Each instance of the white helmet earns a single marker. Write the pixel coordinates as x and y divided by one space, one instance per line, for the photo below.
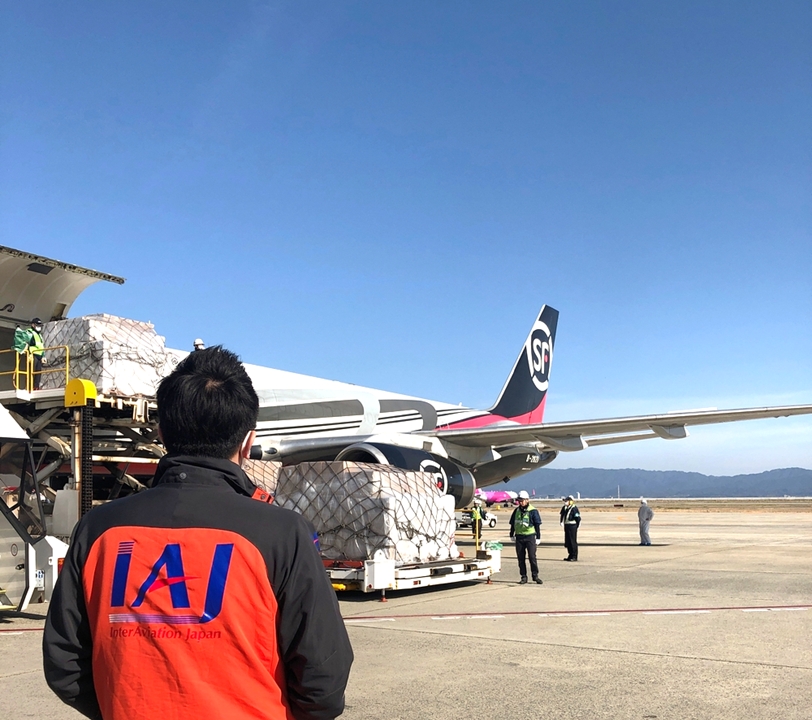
523 495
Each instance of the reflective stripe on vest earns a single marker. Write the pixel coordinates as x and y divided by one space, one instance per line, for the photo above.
522 524
36 344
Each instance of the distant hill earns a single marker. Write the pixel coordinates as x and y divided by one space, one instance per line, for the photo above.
597 483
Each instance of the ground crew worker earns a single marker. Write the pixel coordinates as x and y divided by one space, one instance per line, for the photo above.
644 515
199 345
476 519
29 342
197 598
525 525
570 520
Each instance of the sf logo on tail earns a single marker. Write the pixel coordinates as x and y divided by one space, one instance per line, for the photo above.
539 351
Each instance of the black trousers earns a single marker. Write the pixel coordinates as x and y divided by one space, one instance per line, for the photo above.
526 546
571 541
37 371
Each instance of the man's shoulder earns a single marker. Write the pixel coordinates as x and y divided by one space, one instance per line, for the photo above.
224 508
274 512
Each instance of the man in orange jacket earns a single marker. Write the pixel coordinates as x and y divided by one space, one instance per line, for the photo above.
193 599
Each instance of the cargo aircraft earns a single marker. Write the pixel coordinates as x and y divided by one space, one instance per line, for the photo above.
303 418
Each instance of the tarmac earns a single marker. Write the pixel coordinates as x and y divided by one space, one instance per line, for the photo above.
713 621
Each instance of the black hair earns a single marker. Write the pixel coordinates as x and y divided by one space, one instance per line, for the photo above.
207 405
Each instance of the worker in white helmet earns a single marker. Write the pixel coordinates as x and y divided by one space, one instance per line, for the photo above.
570 521
525 526
199 344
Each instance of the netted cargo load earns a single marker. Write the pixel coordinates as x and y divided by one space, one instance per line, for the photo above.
119 356
360 510
264 473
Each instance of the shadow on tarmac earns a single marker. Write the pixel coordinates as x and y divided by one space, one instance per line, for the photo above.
7 616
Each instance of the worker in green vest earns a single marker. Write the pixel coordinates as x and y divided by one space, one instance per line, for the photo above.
525 526
476 520
29 342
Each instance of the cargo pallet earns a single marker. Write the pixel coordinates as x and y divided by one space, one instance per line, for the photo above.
382 574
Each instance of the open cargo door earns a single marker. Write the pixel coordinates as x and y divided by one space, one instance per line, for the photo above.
35 286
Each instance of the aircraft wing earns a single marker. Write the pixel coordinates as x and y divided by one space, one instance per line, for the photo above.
573 436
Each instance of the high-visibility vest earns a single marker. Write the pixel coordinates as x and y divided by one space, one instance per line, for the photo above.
35 344
521 521
476 514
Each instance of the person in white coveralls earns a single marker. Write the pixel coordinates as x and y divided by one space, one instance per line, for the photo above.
644 515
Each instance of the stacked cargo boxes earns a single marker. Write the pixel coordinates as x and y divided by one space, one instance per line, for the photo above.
119 356
363 511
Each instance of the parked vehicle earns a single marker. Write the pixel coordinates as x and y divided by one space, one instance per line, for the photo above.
463 519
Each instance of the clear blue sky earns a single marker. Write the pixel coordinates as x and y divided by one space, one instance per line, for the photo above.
386 193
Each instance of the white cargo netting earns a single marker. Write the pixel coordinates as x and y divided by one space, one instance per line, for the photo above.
359 510
119 356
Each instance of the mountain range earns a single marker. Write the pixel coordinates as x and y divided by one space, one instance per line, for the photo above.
632 483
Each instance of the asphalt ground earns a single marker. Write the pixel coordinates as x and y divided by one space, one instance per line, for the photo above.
712 621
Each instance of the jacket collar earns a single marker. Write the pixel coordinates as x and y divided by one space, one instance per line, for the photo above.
202 471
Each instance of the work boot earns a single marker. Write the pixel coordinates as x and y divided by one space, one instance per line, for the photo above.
523 581
538 581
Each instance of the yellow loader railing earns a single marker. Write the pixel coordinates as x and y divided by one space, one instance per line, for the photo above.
26 377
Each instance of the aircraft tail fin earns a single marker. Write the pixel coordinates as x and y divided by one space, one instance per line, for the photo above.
523 397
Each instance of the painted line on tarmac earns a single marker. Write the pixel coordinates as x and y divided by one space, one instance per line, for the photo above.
484 617
578 613
555 613
573 614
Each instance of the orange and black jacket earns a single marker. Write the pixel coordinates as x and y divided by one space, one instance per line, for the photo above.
193 600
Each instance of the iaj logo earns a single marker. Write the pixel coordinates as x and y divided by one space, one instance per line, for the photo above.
167 572
539 354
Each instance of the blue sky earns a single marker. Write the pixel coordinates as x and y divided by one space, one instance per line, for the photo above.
386 193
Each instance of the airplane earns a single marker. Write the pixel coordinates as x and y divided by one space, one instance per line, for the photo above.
305 419
494 497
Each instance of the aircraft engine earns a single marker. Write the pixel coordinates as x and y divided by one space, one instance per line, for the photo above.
451 478
512 463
